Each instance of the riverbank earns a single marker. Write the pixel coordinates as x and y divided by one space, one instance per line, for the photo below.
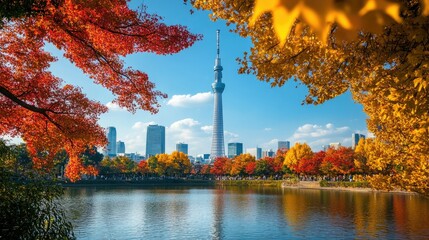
292 183
148 183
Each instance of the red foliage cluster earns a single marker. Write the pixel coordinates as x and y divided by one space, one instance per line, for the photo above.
94 35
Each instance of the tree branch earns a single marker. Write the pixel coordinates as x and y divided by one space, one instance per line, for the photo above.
30 107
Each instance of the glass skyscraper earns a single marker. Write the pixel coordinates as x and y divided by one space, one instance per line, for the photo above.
120 147
234 149
155 140
182 147
111 145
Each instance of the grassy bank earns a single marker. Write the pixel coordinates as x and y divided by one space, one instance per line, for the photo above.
289 183
325 183
270 183
200 182
148 182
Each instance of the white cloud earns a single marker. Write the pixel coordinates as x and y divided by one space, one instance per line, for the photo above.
230 134
207 129
272 144
188 131
187 100
141 125
114 107
317 131
267 129
318 135
184 123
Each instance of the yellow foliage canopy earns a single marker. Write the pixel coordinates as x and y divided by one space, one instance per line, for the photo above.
296 153
384 64
351 16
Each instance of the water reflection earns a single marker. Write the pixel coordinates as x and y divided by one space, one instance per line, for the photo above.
245 213
218 207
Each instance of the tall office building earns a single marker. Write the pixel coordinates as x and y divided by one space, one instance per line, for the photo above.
356 137
235 149
256 152
284 145
155 140
182 147
218 147
111 145
120 147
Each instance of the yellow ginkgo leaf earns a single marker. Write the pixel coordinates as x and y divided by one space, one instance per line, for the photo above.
389 8
343 20
426 7
283 21
262 6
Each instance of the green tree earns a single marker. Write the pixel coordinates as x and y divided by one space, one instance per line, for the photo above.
263 167
29 206
153 163
107 167
91 156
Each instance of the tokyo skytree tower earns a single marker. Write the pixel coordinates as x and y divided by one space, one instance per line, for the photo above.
218 148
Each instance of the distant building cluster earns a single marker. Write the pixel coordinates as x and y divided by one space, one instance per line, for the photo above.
155 144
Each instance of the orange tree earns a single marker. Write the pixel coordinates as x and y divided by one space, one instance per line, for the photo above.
311 166
205 170
250 168
276 163
221 166
295 154
338 161
143 167
239 164
94 35
377 50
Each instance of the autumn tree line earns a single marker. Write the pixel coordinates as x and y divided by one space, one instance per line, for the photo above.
343 163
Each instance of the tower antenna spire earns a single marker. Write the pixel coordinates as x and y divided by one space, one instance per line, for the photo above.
217 42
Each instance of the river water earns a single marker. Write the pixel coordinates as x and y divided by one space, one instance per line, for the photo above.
244 213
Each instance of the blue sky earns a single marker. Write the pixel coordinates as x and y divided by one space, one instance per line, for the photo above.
254 113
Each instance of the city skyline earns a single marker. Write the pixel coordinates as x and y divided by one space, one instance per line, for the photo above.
256 114
158 140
